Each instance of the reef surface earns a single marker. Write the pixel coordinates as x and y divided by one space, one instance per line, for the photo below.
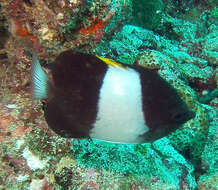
177 39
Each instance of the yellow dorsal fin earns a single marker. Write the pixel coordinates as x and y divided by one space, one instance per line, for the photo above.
111 62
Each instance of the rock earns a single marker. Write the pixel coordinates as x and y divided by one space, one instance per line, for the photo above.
141 161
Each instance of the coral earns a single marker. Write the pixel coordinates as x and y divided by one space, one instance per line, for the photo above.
191 139
179 29
33 161
210 153
208 182
158 159
211 56
150 59
182 48
127 44
40 184
179 68
50 144
60 25
201 77
210 45
188 9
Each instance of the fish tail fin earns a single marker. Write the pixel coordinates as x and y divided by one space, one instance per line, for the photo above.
41 85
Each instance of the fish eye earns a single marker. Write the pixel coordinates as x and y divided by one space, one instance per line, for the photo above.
178 116
183 116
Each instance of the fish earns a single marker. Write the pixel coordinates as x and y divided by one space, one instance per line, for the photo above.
88 96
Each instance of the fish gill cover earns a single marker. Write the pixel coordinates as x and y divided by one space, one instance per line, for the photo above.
179 41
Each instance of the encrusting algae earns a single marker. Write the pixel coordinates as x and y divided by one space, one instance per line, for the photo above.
177 43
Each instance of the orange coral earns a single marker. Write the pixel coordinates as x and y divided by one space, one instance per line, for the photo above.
17 30
94 28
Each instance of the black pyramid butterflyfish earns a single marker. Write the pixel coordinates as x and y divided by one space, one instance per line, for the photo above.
88 96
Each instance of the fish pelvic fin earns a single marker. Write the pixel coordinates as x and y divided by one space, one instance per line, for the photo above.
41 85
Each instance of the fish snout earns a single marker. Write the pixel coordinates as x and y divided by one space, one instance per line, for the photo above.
182 117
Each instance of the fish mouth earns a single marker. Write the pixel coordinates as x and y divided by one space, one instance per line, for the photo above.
188 115
191 115
181 118
164 130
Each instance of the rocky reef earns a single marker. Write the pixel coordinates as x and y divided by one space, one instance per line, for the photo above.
177 39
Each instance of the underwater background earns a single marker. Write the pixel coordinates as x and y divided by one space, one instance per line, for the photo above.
176 38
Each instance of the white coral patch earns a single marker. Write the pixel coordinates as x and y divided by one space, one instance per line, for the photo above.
33 161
